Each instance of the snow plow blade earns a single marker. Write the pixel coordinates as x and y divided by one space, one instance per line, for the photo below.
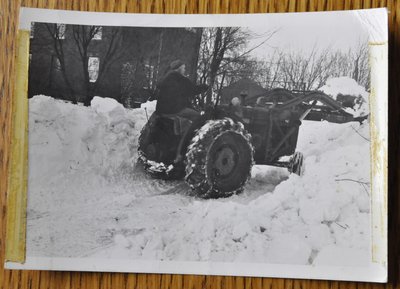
331 110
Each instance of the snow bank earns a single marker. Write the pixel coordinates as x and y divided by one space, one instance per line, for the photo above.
344 85
87 198
279 218
78 156
348 86
98 139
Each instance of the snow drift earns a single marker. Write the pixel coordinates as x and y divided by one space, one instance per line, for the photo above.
87 197
347 86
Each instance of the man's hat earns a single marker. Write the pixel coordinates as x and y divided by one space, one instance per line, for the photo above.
176 64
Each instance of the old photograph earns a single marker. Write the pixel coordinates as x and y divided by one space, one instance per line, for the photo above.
218 144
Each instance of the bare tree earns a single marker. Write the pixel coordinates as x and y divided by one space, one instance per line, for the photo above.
299 71
269 72
306 72
353 64
359 57
83 36
224 56
215 44
57 34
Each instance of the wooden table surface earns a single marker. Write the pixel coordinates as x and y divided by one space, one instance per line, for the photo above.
44 279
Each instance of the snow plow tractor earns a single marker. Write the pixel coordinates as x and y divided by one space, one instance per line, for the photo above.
215 151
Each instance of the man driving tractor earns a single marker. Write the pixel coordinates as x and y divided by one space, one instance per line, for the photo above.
175 92
174 95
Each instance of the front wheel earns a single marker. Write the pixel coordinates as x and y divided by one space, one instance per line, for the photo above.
219 159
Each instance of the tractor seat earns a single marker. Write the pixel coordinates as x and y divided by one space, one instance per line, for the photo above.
180 124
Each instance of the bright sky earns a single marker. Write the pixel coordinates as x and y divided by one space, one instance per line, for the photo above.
300 32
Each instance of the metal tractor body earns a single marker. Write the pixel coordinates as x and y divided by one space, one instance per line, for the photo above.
215 151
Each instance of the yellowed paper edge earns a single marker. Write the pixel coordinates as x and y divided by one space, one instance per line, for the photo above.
18 167
379 150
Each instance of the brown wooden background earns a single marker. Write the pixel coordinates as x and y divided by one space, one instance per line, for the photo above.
43 279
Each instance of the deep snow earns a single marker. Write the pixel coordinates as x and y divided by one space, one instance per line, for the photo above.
348 86
88 199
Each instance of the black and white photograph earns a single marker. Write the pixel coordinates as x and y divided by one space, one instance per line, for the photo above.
222 146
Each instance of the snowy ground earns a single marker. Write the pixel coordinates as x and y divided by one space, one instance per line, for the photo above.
87 199
347 86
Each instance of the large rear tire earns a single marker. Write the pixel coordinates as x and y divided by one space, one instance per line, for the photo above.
149 153
219 159
145 150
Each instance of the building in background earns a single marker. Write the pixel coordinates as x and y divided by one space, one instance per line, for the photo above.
77 62
243 88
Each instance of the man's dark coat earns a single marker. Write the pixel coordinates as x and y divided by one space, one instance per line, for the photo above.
175 92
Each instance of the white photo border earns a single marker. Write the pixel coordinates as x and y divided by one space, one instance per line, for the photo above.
376 22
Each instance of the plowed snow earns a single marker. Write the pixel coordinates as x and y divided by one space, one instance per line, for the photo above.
88 198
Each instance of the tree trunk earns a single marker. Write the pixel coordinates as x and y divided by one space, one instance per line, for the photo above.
215 62
72 95
195 57
86 81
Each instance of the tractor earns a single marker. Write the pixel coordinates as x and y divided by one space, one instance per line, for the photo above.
215 152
